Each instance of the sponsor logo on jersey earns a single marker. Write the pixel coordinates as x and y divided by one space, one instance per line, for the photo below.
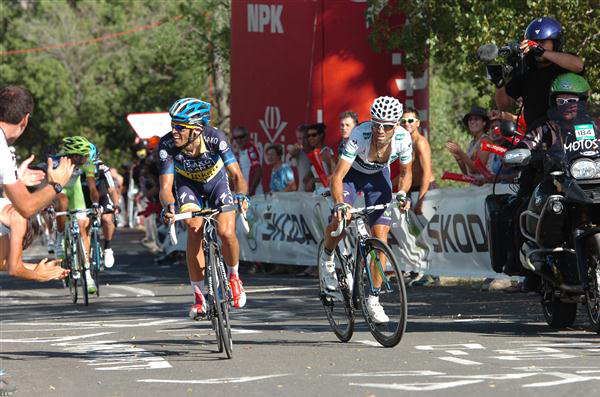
163 154
223 146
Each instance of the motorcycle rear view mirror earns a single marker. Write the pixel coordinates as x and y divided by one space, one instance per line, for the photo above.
508 129
517 157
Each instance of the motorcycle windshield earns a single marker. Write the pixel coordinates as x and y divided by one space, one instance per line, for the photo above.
577 127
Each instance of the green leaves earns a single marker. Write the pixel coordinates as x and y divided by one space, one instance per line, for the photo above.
446 35
128 56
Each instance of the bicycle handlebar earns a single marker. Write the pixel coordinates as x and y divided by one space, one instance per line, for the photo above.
359 211
206 213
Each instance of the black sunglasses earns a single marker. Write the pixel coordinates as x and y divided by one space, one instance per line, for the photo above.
313 134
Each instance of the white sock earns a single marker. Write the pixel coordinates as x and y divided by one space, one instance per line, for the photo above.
197 287
235 270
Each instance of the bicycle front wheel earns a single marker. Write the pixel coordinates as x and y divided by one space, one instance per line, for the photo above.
96 261
221 296
82 271
337 304
382 293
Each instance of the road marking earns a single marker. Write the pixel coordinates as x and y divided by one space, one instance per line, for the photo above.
135 290
418 386
53 340
457 352
458 346
369 343
213 381
104 323
27 293
154 301
461 361
392 373
277 289
108 355
115 295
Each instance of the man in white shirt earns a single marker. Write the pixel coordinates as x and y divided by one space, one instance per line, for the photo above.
16 105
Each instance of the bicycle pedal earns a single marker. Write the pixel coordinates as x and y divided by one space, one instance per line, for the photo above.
76 275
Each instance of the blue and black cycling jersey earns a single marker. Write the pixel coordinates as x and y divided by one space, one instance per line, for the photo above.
215 155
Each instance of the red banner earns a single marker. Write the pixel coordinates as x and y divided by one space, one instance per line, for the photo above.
306 61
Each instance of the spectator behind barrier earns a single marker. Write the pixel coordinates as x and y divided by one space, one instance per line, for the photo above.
348 120
477 123
323 159
282 175
248 159
298 157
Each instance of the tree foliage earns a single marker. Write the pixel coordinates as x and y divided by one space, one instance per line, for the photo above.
146 55
449 32
445 35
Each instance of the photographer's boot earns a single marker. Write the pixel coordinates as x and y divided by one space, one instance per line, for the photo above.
512 266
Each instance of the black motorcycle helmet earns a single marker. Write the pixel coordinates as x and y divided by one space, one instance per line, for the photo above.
546 28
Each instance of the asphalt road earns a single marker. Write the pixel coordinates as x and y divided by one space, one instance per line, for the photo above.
135 340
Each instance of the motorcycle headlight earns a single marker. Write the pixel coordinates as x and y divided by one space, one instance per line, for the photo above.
584 169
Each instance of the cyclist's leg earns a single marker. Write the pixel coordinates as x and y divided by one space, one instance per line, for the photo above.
379 191
108 226
351 187
62 204
77 202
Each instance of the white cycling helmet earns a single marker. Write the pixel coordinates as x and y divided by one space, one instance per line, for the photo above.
386 109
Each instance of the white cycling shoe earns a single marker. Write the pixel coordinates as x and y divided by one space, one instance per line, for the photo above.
328 275
376 310
91 285
109 258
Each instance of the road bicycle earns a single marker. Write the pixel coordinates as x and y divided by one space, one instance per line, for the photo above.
96 251
358 274
75 255
220 296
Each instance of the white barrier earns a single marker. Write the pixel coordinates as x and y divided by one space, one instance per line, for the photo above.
448 240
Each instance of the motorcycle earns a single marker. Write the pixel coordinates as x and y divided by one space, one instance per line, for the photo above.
561 224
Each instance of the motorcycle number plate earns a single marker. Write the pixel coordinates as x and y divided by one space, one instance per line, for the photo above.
584 131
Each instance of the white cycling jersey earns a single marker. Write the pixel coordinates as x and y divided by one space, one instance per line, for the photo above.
356 150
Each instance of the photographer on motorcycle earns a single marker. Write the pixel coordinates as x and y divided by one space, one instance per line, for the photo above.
567 90
542 47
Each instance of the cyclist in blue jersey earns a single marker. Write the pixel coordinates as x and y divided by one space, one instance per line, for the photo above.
196 163
364 166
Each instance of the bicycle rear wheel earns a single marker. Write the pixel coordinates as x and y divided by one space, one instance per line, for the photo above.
221 293
379 264
72 287
337 304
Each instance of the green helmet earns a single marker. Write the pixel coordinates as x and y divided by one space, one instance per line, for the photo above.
75 145
569 83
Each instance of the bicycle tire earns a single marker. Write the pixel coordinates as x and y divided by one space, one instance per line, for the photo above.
70 264
81 264
220 303
73 288
339 313
96 260
392 295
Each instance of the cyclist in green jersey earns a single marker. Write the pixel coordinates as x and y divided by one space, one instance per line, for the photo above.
100 193
77 148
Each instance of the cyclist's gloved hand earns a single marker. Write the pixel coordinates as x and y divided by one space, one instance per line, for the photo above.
117 209
340 211
97 208
242 201
167 214
403 201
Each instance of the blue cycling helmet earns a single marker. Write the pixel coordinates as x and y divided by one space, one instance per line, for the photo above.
93 152
190 111
545 28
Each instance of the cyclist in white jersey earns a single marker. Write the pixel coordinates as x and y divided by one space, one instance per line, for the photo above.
364 166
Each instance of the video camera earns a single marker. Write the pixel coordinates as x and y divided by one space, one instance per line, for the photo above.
514 62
